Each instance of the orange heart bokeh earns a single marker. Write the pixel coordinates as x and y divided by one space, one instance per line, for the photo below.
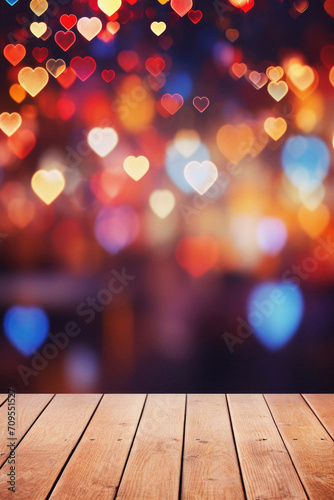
197 255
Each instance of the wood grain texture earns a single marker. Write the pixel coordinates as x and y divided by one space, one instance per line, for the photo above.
46 447
323 407
262 447
27 408
96 466
210 465
309 445
267 470
153 469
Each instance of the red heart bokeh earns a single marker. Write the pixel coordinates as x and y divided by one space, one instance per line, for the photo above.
195 16
108 75
155 65
65 40
68 21
83 67
40 53
172 103
201 103
14 53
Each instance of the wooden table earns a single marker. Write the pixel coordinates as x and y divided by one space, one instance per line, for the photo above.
170 446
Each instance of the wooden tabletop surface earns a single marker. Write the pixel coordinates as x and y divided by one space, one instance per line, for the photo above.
168 446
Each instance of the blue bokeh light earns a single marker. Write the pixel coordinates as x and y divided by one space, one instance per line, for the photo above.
179 83
26 328
100 49
305 161
176 162
275 311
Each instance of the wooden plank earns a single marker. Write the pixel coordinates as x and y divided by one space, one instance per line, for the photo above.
46 447
95 469
309 445
27 409
323 407
153 468
210 464
3 398
266 467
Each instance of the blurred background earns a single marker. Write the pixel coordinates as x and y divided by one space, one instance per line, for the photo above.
167 205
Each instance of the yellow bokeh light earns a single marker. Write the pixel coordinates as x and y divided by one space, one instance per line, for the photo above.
135 106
